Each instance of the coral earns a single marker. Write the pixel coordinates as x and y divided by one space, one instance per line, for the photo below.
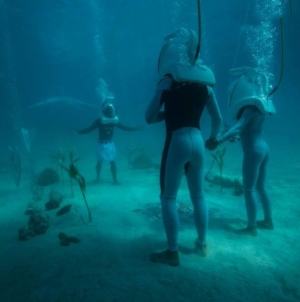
52 204
65 240
138 158
37 193
47 177
25 234
38 223
64 210
226 182
55 199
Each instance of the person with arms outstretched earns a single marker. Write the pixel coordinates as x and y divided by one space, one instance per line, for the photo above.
106 150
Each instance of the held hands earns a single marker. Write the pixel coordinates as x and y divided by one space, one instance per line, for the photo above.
211 144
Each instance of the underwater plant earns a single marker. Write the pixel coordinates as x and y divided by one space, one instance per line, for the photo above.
71 158
74 174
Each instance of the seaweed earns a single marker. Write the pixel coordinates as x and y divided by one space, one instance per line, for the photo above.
74 174
71 158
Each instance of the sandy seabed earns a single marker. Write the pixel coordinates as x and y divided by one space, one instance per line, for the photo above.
111 262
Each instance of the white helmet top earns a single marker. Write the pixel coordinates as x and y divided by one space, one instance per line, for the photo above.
177 58
250 89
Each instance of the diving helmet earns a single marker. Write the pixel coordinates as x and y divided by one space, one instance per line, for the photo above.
250 89
108 110
177 58
108 113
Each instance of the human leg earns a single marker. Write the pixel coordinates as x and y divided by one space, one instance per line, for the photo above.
98 170
195 181
99 159
170 217
172 178
267 223
113 170
175 155
251 165
108 153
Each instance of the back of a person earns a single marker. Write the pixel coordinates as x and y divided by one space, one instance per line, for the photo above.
253 131
184 104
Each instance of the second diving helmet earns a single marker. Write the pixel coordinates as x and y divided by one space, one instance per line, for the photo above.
250 89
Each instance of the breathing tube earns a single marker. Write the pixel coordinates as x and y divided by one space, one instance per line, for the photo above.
199 31
282 58
282 50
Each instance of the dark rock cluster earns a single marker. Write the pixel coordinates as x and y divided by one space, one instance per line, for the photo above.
37 225
65 240
55 199
226 182
47 177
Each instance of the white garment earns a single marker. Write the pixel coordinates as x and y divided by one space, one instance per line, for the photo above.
106 151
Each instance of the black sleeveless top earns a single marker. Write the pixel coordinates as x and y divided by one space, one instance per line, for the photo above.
183 105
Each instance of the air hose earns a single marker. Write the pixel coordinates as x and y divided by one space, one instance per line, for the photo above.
199 31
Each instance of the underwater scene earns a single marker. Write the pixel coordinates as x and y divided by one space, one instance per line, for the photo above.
149 150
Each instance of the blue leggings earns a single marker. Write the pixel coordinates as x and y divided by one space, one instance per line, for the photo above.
254 178
183 150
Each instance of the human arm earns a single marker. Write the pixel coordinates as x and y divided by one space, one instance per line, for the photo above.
87 129
246 116
215 114
153 113
128 128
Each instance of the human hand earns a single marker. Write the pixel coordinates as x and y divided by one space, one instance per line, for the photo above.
211 144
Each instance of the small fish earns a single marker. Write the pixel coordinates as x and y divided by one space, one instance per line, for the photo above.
64 210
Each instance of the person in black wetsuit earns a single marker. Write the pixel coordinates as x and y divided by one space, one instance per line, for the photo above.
184 91
106 150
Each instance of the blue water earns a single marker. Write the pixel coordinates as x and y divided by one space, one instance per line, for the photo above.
60 48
